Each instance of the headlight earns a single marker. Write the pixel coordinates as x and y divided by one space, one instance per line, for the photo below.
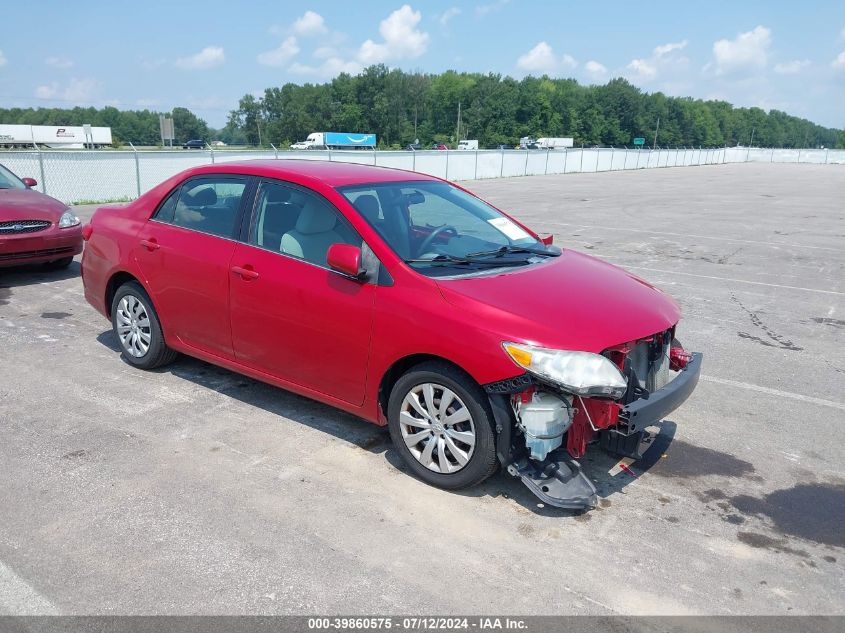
68 220
581 373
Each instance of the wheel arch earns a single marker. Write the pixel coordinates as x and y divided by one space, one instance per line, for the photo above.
402 366
116 281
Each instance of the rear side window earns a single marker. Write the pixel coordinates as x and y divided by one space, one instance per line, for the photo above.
208 205
166 208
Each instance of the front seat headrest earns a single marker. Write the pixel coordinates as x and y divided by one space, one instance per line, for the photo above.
203 198
315 218
278 194
367 205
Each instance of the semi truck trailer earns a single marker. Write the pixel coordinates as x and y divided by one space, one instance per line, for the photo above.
337 140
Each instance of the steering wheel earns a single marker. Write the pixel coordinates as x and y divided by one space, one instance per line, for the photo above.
428 240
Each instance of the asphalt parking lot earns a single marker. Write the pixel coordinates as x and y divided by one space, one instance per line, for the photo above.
196 490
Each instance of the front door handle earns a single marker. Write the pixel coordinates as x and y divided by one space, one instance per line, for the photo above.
246 272
150 244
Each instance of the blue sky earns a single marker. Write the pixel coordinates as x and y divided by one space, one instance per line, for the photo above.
205 55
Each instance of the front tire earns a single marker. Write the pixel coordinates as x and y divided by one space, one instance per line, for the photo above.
137 328
441 424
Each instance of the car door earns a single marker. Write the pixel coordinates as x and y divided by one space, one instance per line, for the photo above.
184 253
293 317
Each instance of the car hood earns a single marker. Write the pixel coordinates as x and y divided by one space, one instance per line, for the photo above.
574 302
28 204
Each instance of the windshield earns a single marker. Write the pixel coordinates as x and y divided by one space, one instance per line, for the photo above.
438 228
9 181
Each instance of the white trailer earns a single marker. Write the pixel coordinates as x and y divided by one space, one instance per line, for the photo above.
555 143
468 145
68 136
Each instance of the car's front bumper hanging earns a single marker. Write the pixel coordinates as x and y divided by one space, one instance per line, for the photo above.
639 414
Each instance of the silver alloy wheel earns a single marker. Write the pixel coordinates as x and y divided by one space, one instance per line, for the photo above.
133 326
437 428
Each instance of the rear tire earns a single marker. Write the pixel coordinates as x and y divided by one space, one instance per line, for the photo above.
137 328
441 424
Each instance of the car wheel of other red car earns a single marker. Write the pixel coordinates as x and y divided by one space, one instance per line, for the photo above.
441 425
137 328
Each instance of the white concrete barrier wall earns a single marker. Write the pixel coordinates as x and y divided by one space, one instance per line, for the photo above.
74 176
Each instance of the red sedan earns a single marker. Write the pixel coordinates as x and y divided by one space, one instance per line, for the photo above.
35 228
403 299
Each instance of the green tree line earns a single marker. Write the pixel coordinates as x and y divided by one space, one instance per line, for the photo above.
401 107
140 127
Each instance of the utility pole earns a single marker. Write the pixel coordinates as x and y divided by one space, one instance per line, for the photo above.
752 137
656 129
258 125
458 129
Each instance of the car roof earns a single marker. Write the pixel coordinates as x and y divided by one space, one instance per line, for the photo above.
333 174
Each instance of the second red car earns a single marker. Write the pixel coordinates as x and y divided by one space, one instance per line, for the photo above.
35 228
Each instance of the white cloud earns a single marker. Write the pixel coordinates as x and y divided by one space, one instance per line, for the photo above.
209 57
331 67
642 68
402 38
748 51
539 58
542 59
324 52
80 89
76 90
47 91
839 62
568 62
310 23
280 56
59 62
791 68
484 9
665 49
447 15
3 60
663 58
595 70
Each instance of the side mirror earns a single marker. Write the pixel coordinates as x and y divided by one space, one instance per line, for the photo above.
346 259
548 239
29 182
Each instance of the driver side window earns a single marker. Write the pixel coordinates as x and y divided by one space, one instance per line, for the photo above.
298 223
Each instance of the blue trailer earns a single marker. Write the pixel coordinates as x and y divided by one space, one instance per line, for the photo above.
338 140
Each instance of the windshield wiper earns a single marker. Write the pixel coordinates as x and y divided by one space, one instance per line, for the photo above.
504 250
444 259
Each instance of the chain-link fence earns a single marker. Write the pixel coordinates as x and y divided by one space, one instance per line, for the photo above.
75 176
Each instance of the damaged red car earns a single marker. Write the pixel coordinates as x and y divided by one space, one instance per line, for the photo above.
400 298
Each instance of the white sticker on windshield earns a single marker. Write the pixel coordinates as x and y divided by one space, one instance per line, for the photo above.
511 229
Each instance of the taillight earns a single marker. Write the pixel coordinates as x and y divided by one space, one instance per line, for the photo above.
678 358
86 232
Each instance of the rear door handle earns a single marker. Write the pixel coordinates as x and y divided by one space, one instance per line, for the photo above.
246 272
150 244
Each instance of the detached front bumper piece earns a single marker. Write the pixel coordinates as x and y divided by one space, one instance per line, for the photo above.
636 416
558 482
